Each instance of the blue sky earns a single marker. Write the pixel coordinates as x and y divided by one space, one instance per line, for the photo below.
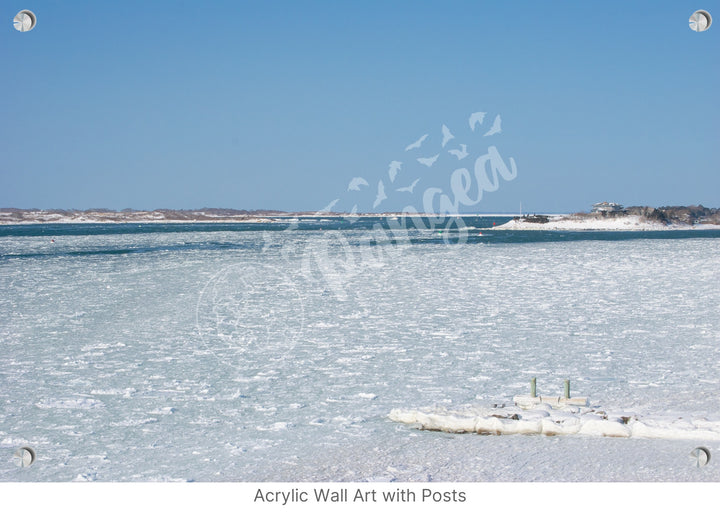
278 105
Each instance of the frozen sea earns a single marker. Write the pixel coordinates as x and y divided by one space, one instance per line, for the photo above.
276 352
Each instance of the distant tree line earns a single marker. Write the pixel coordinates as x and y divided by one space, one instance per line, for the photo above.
693 214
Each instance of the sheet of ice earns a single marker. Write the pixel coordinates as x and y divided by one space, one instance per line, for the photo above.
117 365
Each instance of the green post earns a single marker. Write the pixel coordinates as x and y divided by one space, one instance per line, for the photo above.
567 388
533 387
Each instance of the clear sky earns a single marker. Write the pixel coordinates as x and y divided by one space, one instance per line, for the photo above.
279 105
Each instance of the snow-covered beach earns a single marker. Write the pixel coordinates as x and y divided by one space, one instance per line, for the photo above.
624 223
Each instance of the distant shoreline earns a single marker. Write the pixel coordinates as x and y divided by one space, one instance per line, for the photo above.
10 216
631 219
624 223
635 218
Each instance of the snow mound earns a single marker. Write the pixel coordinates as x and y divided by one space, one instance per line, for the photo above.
125 392
560 222
163 411
545 420
102 346
277 426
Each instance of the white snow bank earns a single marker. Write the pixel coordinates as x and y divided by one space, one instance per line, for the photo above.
568 222
545 420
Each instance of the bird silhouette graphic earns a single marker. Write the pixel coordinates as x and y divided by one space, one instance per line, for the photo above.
476 118
327 208
447 135
417 143
495 127
380 194
356 182
394 169
428 162
409 188
459 153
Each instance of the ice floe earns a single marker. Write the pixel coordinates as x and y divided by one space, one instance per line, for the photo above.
78 403
545 420
163 411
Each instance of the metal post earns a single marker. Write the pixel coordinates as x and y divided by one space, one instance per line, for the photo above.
533 387
567 388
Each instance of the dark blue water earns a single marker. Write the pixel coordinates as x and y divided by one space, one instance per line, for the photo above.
280 224
421 230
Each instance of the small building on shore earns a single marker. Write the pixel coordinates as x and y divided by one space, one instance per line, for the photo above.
607 208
